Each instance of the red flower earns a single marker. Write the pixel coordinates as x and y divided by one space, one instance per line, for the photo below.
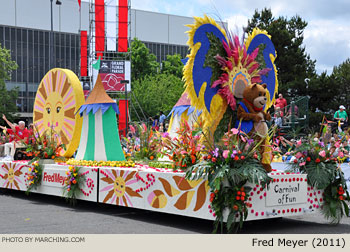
213 159
238 198
317 160
308 159
341 197
295 161
242 157
236 158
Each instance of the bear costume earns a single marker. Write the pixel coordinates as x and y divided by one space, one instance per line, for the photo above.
251 112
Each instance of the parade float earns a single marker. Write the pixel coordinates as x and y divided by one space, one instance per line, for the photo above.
224 180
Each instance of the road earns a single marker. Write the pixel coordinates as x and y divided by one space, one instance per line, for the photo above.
41 214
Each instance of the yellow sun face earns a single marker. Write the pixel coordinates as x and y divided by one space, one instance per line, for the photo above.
119 186
54 116
11 175
57 100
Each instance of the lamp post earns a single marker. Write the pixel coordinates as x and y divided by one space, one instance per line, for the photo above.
126 105
51 36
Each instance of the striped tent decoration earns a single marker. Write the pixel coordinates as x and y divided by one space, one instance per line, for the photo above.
99 137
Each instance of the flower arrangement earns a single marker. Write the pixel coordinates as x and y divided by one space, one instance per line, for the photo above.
128 163
184 150
323 169
44 146
148 145
73 183
34 176
228 167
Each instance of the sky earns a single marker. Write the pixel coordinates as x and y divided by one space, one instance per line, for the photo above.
326 37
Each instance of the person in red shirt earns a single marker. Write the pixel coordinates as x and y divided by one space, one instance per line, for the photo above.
281 103
21 136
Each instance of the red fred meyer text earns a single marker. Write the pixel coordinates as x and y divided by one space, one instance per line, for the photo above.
54 178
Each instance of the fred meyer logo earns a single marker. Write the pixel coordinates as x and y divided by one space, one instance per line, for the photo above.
53 179
286 193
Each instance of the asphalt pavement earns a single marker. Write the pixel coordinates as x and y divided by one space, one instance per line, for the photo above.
42 214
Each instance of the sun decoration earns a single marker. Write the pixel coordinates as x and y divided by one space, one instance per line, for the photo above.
119 190
12 175
57 100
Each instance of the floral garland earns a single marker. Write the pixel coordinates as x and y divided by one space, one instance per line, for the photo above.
34 176
128 163
73 183
323 170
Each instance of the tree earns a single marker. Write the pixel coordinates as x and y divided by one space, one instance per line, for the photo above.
157 92
173 65
293 63
341 79
143 62
7 98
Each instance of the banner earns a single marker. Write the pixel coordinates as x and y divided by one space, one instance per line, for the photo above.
113 72
83 53
123 111
99 27
111 25
123 26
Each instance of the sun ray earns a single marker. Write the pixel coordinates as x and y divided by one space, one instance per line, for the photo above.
128 199
67 125
67 100
124 200
110 174
113 199
109 195
67 132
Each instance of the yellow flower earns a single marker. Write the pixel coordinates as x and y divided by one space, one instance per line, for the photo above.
75 174
36 171
29 169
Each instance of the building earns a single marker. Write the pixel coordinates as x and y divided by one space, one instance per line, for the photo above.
25 28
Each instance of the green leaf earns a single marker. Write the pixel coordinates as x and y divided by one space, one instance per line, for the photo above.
230 219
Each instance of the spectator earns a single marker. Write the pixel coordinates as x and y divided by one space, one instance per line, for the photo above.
341 116
281 103
278 120
162 118
289 113
21 137
155 123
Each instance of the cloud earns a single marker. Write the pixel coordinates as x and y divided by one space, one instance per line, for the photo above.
328 42
327 36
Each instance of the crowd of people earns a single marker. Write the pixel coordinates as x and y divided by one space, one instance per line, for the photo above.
16 136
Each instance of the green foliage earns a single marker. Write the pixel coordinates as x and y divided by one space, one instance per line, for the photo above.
216 48
7 98
293 63
157 93
73 183
173 65
143 62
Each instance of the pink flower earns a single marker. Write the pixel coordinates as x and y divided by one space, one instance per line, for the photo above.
341 154
299 142
234 131
302 164
322 153
299 155
225 153
337 144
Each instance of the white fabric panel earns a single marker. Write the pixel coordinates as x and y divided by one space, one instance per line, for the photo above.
127 74
111 24
100 150
83 138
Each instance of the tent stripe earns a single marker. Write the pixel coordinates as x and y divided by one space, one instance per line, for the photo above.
113 147
83 138
100 152
90 148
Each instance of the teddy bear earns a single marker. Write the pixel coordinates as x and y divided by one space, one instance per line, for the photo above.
253 118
